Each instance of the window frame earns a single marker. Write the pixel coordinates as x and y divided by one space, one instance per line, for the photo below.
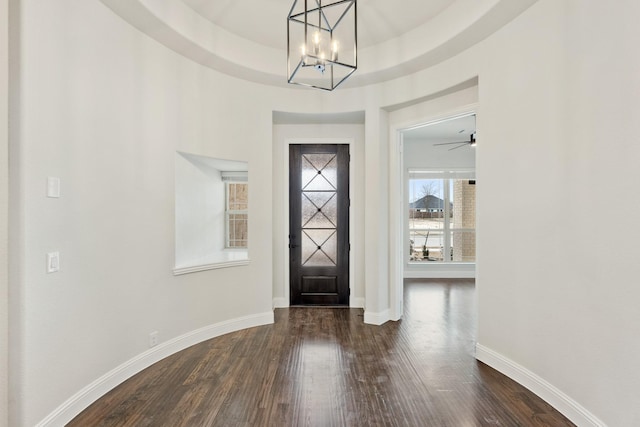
227 217
447 177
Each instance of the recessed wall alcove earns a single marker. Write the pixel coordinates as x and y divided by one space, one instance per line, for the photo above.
203 224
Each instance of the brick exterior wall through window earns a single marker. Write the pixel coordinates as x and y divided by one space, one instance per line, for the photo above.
464 216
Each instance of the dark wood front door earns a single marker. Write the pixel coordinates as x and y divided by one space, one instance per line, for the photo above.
319 224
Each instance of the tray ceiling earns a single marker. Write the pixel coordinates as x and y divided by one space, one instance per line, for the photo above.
247 39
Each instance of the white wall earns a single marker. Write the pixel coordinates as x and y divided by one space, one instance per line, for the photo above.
559 113
4 212
307 132
104 107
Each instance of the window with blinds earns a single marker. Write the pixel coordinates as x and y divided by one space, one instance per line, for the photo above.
236 215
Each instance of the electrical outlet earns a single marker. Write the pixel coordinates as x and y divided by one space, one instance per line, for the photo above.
153 339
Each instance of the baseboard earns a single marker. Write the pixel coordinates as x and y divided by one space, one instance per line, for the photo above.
85 397
280 303
356 302
546 391
376 318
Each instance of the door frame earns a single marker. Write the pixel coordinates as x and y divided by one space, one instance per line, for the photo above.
285 217
397 204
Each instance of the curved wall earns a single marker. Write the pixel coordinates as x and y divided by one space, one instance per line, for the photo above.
104 107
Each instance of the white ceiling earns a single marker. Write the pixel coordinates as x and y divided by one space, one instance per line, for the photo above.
421 149
247 38
450 130
264 21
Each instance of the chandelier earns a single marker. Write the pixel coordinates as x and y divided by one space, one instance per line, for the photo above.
321 42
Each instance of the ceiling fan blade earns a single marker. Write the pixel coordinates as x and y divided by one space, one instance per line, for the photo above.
449 143
459 146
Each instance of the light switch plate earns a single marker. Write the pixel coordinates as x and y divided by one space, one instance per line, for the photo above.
53 187
53 262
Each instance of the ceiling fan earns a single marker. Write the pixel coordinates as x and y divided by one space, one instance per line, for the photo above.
471 142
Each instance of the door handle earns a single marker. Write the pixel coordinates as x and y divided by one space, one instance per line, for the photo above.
292 239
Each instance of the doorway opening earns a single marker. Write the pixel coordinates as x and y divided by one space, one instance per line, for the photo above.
439 184
433 198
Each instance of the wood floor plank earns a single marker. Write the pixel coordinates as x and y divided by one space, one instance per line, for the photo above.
325 367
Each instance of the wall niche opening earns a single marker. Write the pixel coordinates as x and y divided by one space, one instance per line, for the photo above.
211 213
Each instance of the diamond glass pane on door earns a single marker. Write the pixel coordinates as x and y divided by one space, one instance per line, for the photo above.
319 210
319 172
319 247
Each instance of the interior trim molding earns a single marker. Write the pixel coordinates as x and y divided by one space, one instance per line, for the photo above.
280 303
92 392
211 266
285 206
445 109
377 318
545 390
356 302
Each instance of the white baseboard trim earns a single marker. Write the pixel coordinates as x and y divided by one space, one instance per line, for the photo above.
546 391
85 397
356 302
280 303
376 318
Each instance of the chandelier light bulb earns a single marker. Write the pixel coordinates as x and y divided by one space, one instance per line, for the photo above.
316 43
334 50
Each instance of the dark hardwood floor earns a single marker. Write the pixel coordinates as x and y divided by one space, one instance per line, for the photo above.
325 367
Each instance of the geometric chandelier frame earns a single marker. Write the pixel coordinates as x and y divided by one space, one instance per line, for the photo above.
322 42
